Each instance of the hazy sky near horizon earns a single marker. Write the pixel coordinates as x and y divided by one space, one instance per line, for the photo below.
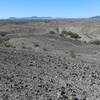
49 8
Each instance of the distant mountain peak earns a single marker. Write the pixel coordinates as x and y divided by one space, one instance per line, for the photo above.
95 17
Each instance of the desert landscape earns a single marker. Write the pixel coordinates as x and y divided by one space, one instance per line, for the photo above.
56 59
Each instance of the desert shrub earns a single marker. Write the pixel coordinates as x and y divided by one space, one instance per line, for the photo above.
3 34
36 45
52 32
57 29
6 44
71 34
61 35
75 36
45 49
95 42
65 32
1 40
72 54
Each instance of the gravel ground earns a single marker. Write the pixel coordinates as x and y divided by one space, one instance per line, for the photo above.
28 75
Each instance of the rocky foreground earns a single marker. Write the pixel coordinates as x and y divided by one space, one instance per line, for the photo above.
28 75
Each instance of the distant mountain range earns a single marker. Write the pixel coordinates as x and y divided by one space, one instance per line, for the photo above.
30 18
95 18
50 18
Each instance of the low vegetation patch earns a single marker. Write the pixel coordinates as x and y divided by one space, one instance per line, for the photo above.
72 54
71 34
1 40
36 45
95 42
7 44
52 32
65 34
4 42
3 34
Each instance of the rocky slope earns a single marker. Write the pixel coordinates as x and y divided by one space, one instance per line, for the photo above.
38 65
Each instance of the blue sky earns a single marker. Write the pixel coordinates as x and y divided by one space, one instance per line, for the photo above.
50 8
